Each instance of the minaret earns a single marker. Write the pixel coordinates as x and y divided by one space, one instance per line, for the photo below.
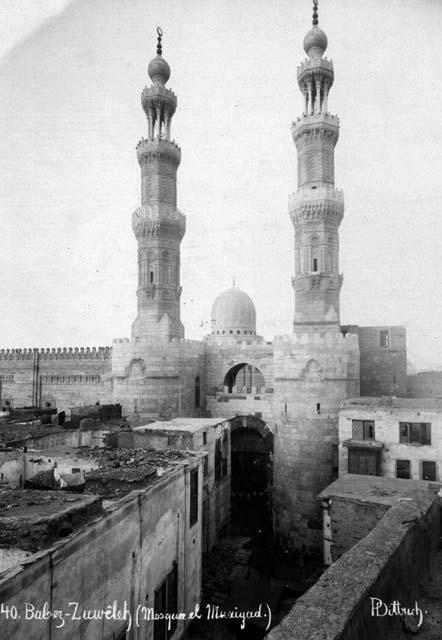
157 224
317 208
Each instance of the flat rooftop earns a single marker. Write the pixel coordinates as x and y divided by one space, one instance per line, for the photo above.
120 471
392 402
376 489
32 520
186 425
18 432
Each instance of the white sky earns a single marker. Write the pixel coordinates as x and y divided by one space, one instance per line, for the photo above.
70 118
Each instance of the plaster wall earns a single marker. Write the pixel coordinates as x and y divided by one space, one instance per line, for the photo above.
387 419
123 556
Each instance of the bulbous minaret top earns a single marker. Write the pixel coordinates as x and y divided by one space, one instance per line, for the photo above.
158 69
316 209
315 42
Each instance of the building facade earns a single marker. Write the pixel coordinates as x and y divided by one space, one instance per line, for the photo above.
285 393
391 437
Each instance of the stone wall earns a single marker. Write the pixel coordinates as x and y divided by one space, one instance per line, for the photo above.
425 384
388 563
61 378
158 379
227 405
383 368
314 370
222 357
123 556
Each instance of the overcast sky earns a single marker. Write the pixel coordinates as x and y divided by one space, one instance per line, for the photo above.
71 74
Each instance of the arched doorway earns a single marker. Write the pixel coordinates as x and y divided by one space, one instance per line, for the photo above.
244 377
252 476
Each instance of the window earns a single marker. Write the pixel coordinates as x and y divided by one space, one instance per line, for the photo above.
204 437
151 277
315 264
403 469
428 470
206 465
193 511
318 408
363 429
166 601
415 432
384 338
363 462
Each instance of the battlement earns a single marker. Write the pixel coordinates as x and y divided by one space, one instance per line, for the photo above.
65 353
327 335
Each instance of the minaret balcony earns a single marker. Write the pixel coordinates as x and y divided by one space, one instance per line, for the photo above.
158 149
156 97
309 120
156 90
154 220
315 66
317 203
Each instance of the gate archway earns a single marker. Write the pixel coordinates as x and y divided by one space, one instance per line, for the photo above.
252 476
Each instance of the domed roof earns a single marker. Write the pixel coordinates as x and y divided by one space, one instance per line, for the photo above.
159 70
233 312
315 42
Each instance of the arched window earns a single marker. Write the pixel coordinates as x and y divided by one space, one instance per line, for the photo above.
315 264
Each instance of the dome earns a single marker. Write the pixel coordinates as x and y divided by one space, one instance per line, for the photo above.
315 42
233 313
159 70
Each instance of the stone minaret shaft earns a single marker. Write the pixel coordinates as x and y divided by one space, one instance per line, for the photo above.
157 224
317 208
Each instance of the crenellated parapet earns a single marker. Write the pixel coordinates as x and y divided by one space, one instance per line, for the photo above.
65 353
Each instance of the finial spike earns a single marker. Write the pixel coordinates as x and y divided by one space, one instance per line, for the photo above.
315 13
160 35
